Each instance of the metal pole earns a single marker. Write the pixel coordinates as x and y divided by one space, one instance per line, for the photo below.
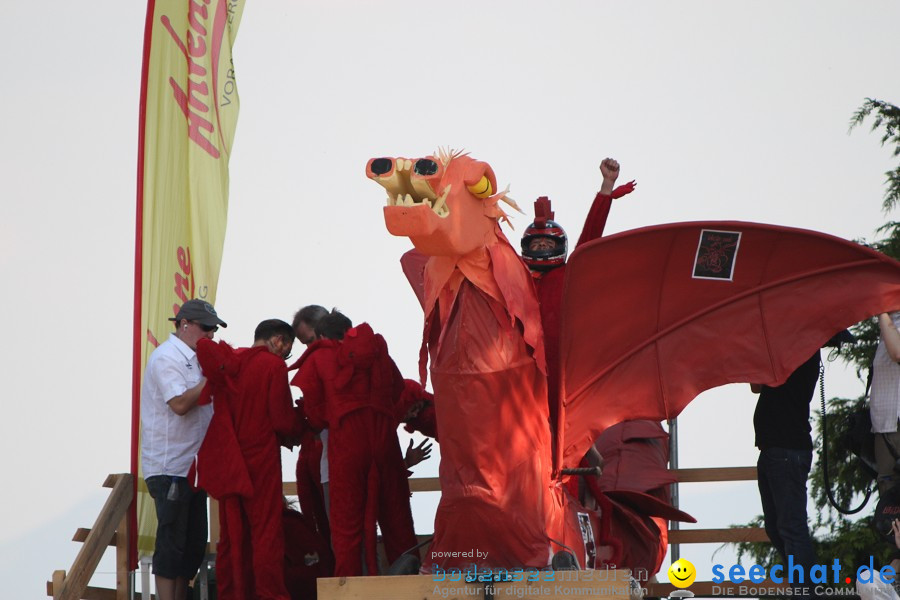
673 464
145 576
204 579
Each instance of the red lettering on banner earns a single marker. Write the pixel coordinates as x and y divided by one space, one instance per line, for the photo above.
184 260
152 339
181 287
196 99
194 10
196 46
194 68
184 280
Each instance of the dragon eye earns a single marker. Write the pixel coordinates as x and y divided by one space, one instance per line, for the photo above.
425 167
483 188
380 166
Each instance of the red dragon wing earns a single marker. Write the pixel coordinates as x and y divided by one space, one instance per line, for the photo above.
652 317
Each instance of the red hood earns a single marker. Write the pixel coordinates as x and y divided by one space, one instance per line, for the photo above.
358 351
219 362
317 345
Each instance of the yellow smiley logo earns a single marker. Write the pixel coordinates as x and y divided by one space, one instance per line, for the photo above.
682 573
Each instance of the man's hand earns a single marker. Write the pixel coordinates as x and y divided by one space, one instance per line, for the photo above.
182 405
610 169
416 455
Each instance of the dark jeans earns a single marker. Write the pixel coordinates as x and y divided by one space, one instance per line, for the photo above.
782 475
182 528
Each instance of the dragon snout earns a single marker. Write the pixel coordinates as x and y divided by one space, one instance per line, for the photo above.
410 183
423 167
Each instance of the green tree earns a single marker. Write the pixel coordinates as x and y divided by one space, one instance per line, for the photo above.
849 539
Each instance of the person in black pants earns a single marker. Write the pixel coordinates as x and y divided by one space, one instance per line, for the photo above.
781 423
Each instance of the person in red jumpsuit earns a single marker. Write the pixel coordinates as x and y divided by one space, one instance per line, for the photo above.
417 408
253 414
351 385
311 490
544 250
307 554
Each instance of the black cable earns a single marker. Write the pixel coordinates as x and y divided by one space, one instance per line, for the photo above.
826 480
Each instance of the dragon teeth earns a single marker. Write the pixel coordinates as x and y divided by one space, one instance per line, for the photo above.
440 202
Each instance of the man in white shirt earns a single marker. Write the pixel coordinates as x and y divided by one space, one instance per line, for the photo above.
173 427
884 401
872 586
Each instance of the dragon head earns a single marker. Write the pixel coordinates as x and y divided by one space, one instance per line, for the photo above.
446 204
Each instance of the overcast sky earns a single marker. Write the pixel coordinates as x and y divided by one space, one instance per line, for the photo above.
720 110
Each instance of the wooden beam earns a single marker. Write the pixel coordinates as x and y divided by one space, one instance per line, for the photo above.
91 552
416 484
565 585
425 484
433 484
730 535
53 587
214 532
715 474
95 593
123 575
82 533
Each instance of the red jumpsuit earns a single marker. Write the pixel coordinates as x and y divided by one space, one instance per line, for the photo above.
642 551
256 400
549 288
309 479
353 388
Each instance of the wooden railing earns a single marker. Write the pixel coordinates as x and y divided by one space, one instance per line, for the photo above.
714 536
110 529
707 536
676 536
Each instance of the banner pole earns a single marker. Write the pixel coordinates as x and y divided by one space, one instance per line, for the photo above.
137 333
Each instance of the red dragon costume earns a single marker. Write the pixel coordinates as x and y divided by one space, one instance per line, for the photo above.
662 337
484 341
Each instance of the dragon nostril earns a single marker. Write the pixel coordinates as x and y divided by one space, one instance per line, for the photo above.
380 166
425 167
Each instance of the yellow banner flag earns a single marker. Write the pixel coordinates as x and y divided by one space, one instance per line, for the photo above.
188 115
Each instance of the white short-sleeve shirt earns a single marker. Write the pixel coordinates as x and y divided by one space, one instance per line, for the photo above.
884 397
169 442
323 462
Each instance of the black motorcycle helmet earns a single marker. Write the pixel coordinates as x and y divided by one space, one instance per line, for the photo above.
544 227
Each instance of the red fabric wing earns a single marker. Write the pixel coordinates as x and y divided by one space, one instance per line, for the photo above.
413 264
642 334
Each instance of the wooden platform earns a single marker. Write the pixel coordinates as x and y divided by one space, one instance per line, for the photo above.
565 585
